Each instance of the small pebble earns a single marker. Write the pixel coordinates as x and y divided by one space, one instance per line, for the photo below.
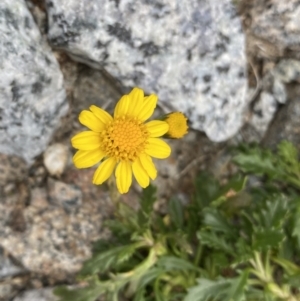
56 159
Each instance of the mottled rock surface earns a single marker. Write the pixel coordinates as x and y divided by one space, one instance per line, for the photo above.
7 267
286 123
32 97
277 22
56 236
276 91
43 294
13 169
190 53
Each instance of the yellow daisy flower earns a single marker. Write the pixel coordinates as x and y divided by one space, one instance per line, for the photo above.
124 142
177 125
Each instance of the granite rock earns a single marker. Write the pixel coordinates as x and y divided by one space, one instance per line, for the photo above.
58 234
286 123
263 112
32 97
42 294
190 53
275 87
7 267
277 22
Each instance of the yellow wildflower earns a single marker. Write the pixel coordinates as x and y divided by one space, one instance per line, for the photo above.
124 142
177 125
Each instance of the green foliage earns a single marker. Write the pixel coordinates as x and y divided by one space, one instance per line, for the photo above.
236 242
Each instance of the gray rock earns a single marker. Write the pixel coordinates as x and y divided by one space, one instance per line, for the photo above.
277 22
65 195
288 70
43 294
55 241
286 123
190 53
263 112
275 90
7 267
32 97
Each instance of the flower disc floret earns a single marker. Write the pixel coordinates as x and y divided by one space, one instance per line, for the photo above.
124 138
177 125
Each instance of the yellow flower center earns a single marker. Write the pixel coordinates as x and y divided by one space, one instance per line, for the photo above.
177 125
124 138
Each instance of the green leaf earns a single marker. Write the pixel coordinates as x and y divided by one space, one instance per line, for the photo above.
148 198
271 213
255 160
216 290
289 154
214 219
102 262
290 267
214 241
264 239
144 214
150 275
89 293
140 295
171 263
207 189
296 223
128 217
237 289
176 211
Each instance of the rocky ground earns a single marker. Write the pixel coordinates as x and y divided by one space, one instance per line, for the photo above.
50 213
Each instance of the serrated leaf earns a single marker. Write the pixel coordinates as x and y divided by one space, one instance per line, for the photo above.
171 263
102 262
176 211
207 290
271 213
264 239
214 219
275 212
256 160
90 293
289 154
212 240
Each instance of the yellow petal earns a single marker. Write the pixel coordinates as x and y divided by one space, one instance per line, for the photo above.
148 107
122 106
102 115
140 174
136 97
157 128
148 166
158 148
90 120
84 159
87 140
104 171
123 176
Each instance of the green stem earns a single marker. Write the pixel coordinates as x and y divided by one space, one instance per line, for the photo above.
198 255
